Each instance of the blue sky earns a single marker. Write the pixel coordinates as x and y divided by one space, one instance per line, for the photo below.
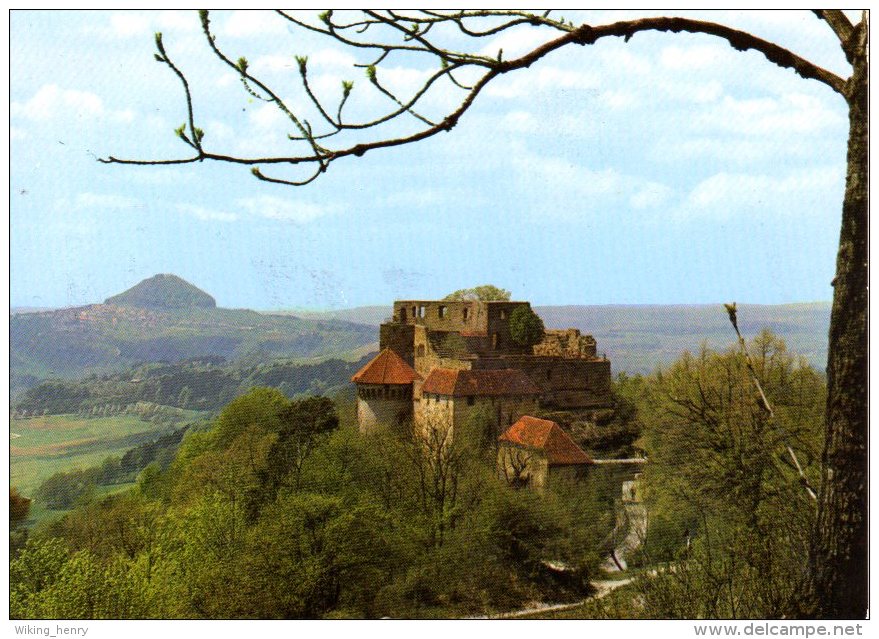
670 169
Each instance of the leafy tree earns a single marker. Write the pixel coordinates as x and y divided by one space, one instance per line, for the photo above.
19 507
63 490
484 293
305 423
526 327
727 504
838 558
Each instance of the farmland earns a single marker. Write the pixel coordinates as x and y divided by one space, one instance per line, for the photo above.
42 446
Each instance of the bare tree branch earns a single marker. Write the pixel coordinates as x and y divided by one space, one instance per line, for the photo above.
411 37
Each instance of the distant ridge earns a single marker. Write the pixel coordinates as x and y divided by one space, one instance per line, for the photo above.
163 292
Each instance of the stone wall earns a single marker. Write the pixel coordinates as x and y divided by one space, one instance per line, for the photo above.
378 414
446 412
565 383
442 316
566 343
399 338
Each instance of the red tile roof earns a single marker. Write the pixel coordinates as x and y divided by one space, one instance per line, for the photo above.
545 435
508 381
386 368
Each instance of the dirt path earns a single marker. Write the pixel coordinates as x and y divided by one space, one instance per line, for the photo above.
602 589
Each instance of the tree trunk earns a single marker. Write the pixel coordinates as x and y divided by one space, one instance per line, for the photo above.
839 561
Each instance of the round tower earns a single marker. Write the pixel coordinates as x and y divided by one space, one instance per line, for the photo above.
384 392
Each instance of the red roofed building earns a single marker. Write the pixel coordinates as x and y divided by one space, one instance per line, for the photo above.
449 397
384 391
533 452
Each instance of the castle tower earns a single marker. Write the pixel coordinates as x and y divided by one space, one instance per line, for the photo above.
384 392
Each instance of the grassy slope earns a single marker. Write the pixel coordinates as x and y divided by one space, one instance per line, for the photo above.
58 443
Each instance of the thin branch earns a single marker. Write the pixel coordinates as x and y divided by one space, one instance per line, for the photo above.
731 311
162 56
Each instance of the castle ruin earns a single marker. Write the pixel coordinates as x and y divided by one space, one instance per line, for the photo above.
442 360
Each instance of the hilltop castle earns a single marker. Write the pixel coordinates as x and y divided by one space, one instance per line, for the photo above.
442 360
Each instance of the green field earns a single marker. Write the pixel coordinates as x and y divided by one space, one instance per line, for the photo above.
42 446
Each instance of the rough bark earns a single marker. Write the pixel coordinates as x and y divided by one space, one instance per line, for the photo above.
839 561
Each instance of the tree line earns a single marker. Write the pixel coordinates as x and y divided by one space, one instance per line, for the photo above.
199 384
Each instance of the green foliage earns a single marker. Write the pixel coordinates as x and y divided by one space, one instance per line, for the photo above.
727 506
346 526
484 293
260 408
526 327
63 490
19 507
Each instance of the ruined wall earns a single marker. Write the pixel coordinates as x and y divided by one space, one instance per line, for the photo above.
427 358
434 412
566 343
505 411
442 316
485 324
498 328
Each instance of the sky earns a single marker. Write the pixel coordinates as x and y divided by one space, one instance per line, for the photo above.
670 169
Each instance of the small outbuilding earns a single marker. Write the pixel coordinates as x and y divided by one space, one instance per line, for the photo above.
534 452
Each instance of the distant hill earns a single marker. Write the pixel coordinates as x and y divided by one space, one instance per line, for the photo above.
638 338
371 315
100 338
163 292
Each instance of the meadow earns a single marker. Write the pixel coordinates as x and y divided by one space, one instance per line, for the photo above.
39 447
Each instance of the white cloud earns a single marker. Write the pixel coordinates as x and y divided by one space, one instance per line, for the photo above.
127 24
92 201
178 20
689 58
105 201
51 100
730 194
414 199
650 195
206 214
268 117
791 113
245 24
617 100
275 208
688 91
16 133
123 25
